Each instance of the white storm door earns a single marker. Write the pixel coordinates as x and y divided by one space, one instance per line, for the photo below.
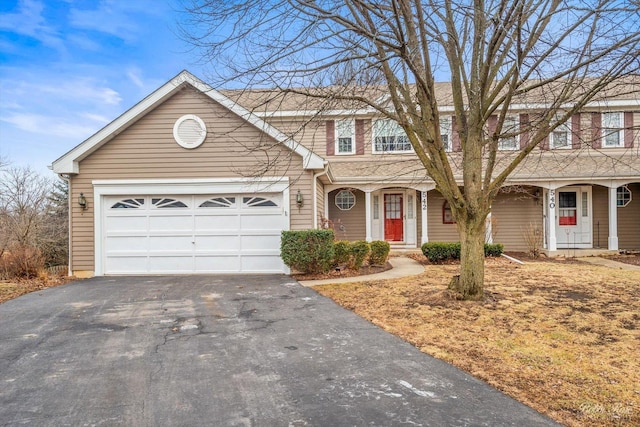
574 218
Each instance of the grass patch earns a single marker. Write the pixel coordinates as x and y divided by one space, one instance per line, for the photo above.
562 338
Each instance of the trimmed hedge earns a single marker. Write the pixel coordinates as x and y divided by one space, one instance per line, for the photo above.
359 251
379 252
342 252
440 251
308 251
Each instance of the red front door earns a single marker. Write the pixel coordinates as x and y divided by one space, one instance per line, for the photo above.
393 223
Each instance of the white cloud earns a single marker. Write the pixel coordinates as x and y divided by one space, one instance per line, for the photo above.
51 125
29 21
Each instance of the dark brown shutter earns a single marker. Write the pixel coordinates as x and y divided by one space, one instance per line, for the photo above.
576 137
524 135
628 129
455 136
596 130
359 136
331 138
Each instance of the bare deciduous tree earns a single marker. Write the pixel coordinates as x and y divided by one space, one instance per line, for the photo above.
387 55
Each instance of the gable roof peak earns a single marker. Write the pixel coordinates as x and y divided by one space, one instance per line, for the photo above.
69 162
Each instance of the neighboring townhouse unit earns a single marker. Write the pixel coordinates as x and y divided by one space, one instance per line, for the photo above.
193 180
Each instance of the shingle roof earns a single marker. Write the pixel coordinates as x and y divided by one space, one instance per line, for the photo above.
539 166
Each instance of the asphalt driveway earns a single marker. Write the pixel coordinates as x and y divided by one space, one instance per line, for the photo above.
222 351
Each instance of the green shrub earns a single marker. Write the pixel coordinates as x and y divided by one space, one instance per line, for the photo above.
493 249
359 251
439 251
308 251
342 252
379 252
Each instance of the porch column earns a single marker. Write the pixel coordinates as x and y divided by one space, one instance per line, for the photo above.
551 215
488 231
367 213
423 218
613 219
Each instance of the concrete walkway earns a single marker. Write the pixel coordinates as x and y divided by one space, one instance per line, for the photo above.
609 263
402 267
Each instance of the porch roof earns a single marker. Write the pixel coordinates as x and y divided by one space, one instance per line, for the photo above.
573 165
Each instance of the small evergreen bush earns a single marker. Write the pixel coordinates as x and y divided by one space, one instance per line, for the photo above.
308 251
342 252
440 251
493 249
379 252
359 251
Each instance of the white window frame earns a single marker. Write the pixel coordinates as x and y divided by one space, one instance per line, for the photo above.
446 129
623 196
350 194
345 128
393 131
563 127
508 128
615 128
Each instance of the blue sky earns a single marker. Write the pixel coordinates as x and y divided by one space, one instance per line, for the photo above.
69 67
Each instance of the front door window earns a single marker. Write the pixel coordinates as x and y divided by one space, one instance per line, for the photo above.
568 208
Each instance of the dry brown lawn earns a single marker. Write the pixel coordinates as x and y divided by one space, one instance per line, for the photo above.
10 289
563 338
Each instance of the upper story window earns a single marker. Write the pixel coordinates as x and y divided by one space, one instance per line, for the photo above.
561 136
344 136
612 130
389 137
445 133
511 128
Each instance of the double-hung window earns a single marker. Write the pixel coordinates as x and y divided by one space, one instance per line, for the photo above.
389 137
561 136
510 128
345 136
612 130
445 133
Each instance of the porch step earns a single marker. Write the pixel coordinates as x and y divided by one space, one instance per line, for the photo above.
574 253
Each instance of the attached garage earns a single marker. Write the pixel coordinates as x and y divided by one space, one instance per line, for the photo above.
186 182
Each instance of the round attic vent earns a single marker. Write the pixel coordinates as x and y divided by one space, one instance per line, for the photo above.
189 131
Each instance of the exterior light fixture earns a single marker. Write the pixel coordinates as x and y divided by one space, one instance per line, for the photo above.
82 201
299 200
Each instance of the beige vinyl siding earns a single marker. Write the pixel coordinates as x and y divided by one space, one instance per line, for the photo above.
629 221
147 150
600 211
438 231
512 213
353 220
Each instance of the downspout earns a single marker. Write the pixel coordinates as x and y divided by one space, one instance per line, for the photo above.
315 189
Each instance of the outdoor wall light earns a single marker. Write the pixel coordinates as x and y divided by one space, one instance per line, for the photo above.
299 200
82 201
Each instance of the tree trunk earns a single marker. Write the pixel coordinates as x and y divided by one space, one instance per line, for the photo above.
470 284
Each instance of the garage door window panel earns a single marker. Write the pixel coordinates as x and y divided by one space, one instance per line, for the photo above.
219 202
258 202
128 204
167 203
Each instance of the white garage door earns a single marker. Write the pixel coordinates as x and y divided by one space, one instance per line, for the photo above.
229 233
